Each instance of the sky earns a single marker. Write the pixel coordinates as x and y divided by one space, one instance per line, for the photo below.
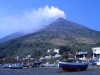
30 15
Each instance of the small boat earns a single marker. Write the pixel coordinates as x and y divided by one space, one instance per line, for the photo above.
36 64
16 66
26 66
5 65
98 63
71 66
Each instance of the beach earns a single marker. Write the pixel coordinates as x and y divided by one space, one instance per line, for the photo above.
47 71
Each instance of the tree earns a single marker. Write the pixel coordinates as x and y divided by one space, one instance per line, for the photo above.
65 55
52 53
64 49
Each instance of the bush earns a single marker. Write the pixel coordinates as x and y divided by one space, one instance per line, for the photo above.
69 60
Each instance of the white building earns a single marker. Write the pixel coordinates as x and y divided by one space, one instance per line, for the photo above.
56 50
96 54
57 56
48 57
49 50
96 50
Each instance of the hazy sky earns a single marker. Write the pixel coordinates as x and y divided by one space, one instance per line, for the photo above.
16 15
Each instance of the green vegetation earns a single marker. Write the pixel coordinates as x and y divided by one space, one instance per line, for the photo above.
62 34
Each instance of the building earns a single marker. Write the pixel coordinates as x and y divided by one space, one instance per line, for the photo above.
96 50
49 50
56 50
96 55
48 57
57 56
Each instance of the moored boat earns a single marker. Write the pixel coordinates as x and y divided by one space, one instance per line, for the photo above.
16 66
5 65
36 64
68 66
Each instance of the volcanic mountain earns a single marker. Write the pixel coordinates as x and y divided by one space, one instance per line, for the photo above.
59 33
11 36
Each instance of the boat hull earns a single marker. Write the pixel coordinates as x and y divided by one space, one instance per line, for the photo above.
67 67
98 63
5 65
15 66
36 64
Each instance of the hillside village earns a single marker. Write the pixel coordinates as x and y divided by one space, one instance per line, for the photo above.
54 57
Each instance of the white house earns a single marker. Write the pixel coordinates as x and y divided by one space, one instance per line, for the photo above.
56 50
96 54
96 50
49 50
57 56
48 57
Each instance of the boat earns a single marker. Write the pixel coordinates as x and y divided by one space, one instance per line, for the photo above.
26 65
72 66
16 66
5 65
36 64
81 55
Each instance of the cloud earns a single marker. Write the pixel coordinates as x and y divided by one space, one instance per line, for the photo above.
30 20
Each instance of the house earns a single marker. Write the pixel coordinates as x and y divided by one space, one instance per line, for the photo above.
49 50
96 50
48 57
56 50
53 50
57 56
96 55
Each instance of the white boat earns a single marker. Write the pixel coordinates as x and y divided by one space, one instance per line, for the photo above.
5 65
16 66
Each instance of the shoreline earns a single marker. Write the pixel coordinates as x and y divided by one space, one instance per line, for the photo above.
47 71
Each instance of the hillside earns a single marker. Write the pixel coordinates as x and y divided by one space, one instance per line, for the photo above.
16 35
11 36
59 33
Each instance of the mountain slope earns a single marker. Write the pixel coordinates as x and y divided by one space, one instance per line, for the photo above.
59 33
71 29
17 35
11 36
